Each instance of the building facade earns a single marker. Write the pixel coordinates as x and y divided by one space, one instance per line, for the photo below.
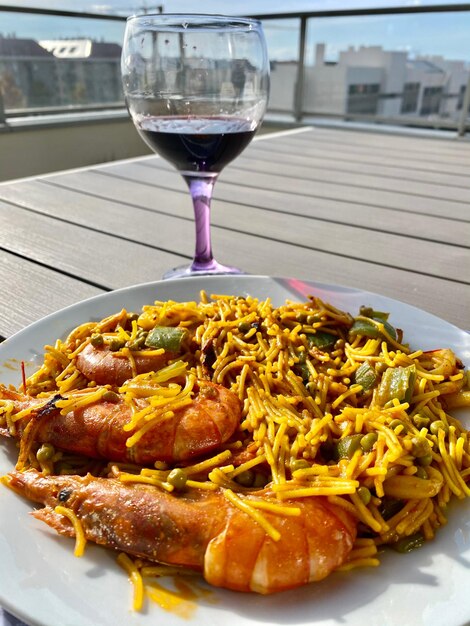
58 73
374 82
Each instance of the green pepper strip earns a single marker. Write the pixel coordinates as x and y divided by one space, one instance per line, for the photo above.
366 327
321 339
169 338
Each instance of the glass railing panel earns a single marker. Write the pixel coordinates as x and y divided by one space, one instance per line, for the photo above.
410 68
282 37
56 62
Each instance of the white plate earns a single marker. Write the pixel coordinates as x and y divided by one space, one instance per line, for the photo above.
44 584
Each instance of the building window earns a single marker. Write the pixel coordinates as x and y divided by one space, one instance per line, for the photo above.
431 100
409 103
461 97
363 98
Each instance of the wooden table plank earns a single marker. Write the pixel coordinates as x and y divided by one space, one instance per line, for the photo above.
263 256
453 149
95 183
429 258
31 291
253 184
84 253
371 228
348 152
334 167
324 158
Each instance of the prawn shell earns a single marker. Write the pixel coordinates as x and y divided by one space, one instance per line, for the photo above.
105 367
198 529
97 430
244 558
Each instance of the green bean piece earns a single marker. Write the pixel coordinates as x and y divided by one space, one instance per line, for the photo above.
170 338
367 311
321 340
366 376
246 478
178 478
368 441
302 370
364 494
390 507
347 446
407 544
397 383
244 327
45 453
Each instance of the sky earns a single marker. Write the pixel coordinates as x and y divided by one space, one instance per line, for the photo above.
241 7
445 34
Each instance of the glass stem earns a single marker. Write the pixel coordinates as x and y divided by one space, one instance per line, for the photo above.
201 189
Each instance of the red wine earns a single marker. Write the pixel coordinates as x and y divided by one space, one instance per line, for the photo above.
196 144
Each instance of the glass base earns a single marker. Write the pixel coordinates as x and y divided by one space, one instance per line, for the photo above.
214 269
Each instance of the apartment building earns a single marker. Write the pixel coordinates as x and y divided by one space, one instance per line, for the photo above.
58 73
372 81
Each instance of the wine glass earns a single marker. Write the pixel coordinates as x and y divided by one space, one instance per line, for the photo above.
196 87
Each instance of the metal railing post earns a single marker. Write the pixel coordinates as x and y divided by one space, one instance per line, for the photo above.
2 109
465 110
299 87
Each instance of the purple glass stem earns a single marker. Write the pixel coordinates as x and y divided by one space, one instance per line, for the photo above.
201 189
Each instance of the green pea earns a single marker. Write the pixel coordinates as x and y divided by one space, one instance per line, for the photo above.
116 344
45 453
364 494
111 396
261 480
96 340
177 477
407 544
420 421
299 464
421 473
437 426
420 447
425 460
368 441
138 343
244 327
246 478
394 424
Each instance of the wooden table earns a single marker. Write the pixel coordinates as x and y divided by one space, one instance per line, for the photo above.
376 211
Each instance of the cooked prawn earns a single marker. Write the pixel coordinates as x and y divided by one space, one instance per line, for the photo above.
198 529
105 367
97 429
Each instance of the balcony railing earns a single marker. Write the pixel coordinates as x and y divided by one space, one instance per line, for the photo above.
348 65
